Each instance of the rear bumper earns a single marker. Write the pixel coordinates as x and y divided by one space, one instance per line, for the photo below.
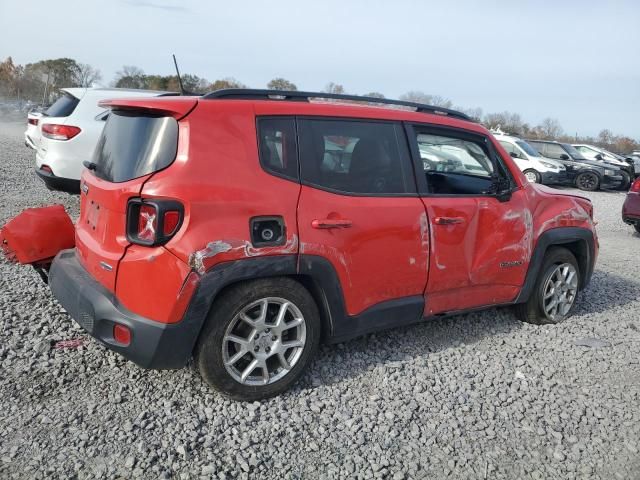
153 344
28 142
61 184
631 209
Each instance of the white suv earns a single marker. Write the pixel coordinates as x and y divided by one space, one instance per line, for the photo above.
67 133
536 168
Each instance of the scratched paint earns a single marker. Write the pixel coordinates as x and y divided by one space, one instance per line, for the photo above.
241 248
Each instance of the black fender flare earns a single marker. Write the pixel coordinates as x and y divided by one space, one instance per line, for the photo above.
582 237
318 275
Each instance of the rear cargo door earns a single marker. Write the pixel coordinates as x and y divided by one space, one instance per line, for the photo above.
133 145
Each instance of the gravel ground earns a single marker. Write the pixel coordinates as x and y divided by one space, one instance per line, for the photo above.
473 396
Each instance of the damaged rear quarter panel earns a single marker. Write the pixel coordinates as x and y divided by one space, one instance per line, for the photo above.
222 186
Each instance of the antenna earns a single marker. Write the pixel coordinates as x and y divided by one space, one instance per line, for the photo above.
182 90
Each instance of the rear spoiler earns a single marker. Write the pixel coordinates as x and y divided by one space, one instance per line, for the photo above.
177 107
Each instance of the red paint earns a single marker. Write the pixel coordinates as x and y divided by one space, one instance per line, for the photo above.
460 252
631 206
37 235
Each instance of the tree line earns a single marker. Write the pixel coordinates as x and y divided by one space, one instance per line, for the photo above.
41 81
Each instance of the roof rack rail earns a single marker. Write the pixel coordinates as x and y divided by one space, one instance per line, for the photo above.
263 94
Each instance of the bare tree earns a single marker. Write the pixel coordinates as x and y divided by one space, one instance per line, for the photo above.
550 128
334 88
281 84
419 96
507 122
130 77
85 75
374 95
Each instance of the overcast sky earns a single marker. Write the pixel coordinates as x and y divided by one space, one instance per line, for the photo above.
577 61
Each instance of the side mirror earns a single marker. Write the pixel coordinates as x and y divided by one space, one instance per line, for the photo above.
514 154
564 156
501 188
598 157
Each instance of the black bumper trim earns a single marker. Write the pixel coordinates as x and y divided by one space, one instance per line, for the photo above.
61 184
153 344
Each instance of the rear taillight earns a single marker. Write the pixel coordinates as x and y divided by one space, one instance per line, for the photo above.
33 121
59 132
153 222
635 186
46 168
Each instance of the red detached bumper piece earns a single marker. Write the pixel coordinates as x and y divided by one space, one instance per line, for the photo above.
36 235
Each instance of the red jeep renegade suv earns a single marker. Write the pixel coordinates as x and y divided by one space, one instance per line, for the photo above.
243 227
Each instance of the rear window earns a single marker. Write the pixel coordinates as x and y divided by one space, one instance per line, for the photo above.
63 107
133 145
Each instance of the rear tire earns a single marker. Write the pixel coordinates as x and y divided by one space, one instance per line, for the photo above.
588 181
637 227
532 176
259 338
558 282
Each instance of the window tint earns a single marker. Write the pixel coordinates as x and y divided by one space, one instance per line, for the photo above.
453 155
134 144
458 164
552 150
510 148
527 148
355 156
277 145
63 107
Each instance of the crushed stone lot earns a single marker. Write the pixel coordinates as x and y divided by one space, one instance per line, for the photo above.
473 396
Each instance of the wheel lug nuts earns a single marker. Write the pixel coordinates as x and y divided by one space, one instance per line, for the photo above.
267 330
257 336
256 349
274 338
268 349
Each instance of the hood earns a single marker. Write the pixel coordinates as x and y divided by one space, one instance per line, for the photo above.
553 191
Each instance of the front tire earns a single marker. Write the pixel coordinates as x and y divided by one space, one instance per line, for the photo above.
588 181
626 181
532 176
555 291
259 338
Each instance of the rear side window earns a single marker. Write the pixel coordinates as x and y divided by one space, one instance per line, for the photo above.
367 158
277 145
63 107
134 144
552 150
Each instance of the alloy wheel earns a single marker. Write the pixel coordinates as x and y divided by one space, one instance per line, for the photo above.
264 341
531 176
588 181
560 291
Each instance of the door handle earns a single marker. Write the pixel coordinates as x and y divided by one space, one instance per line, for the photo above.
448 220
331 223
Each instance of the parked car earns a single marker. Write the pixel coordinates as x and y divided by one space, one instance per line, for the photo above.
67 133
631 206
535 167
244 226
601 155
586 174
31 134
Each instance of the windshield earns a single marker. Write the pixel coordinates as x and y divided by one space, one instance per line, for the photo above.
575 154
134 144
529 150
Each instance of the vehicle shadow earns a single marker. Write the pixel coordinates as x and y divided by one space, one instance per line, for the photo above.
391 348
